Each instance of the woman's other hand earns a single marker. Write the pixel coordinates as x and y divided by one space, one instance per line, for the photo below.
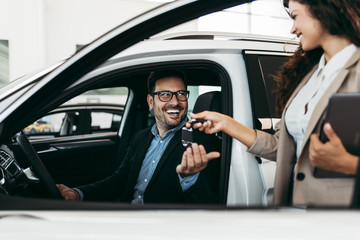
331 155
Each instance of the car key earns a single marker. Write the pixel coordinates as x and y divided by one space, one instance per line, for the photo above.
187 133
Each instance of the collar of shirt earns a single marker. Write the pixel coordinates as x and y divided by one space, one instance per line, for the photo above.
155 131
337 62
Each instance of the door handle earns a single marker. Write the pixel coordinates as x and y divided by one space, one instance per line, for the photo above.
51 149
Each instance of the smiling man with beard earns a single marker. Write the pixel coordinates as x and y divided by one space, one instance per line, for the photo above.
148 172
167 98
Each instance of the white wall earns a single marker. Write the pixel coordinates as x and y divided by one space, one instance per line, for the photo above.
21 24
71 22
41 32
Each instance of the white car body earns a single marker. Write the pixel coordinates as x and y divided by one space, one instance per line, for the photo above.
177 224
246 212
249 181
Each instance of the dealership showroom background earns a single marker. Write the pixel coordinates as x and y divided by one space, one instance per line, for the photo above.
37 33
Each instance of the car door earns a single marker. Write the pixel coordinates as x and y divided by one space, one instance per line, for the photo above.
78 141
60 85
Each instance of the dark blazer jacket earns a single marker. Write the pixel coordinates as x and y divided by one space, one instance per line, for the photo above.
164 186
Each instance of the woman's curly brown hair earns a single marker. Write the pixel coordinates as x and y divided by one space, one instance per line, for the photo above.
338 17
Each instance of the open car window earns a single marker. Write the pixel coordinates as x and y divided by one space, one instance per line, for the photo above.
94 111
71 153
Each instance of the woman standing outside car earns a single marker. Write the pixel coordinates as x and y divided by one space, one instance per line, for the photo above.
327 61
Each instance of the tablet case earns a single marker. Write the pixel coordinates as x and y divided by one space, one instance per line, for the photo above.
343 113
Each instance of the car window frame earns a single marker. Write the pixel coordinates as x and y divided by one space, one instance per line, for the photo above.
97 52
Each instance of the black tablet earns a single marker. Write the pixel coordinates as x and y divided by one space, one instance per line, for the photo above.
343 113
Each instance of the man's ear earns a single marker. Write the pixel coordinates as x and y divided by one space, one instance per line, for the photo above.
150 101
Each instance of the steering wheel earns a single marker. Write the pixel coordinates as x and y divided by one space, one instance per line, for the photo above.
38 167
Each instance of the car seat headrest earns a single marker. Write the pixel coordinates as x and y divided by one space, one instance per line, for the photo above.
210 101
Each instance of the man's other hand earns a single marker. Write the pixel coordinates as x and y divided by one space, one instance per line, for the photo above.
194 160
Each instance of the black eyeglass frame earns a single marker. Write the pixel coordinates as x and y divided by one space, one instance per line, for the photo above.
172 95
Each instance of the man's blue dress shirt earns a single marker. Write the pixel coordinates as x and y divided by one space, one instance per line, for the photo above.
152 158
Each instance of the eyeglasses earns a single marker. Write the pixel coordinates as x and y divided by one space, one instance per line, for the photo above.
166 96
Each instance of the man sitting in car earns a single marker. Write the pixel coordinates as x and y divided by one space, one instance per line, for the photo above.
148 173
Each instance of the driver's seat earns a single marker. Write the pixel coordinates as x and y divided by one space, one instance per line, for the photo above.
210 101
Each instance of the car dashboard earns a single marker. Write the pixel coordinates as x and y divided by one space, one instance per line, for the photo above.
14 180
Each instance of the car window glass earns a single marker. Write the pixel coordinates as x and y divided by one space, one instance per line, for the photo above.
47 124
261 70
195 91
93 111
105 121
117 95
270 65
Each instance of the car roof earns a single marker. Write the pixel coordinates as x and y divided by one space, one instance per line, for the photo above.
214 35
206 42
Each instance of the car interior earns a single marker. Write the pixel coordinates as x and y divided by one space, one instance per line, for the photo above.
80 159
